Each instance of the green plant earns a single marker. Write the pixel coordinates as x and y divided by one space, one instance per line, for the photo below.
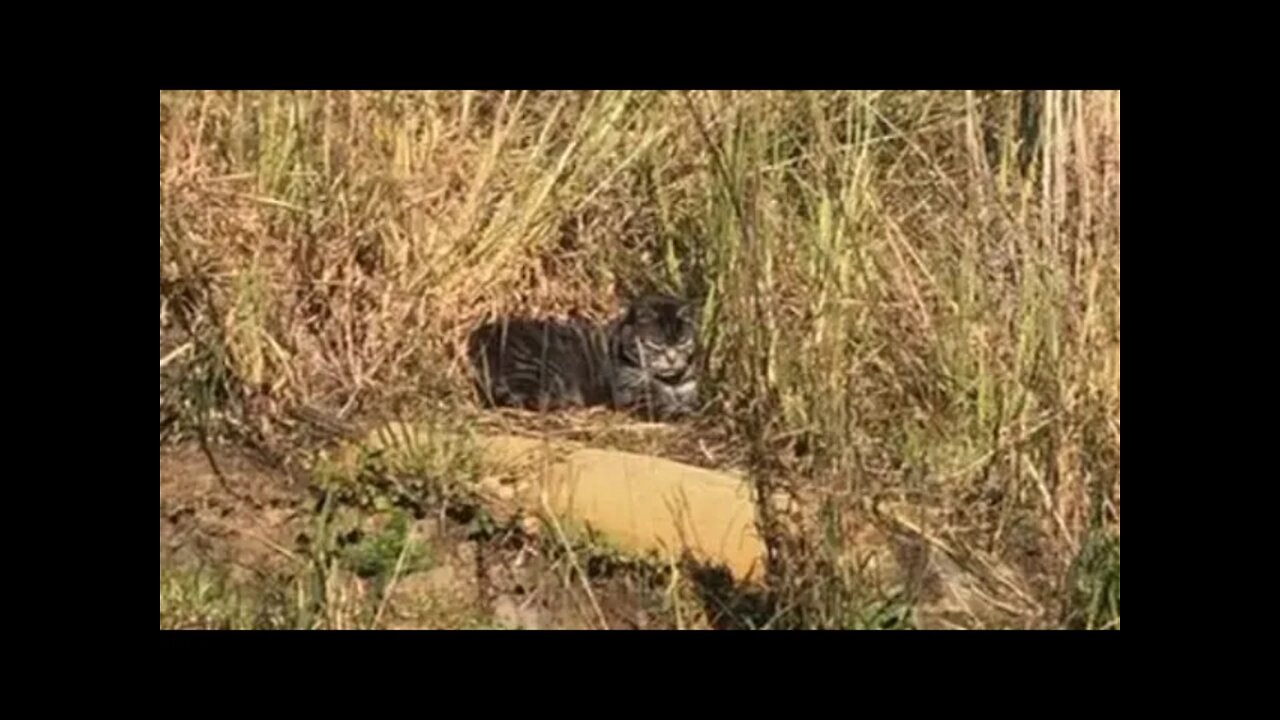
207 599
379 554
1094 585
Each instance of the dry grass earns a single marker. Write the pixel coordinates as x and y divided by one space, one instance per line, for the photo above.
912 297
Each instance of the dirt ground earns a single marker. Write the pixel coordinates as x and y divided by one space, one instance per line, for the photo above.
246 520
254 526
283 557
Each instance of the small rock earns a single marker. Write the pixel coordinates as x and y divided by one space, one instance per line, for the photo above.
441 580
531 525
509 613
466 553
499 576
426 530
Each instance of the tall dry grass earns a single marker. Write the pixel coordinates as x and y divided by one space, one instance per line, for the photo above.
912 297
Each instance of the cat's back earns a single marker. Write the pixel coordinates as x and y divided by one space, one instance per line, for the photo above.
526 361
517 337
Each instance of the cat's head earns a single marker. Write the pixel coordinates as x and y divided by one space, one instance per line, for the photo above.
659 332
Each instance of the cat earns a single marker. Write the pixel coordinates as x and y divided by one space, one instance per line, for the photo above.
642 362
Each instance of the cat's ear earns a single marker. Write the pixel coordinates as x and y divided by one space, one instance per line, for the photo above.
690 312
642 313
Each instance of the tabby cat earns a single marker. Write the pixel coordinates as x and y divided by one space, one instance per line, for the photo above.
642 362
